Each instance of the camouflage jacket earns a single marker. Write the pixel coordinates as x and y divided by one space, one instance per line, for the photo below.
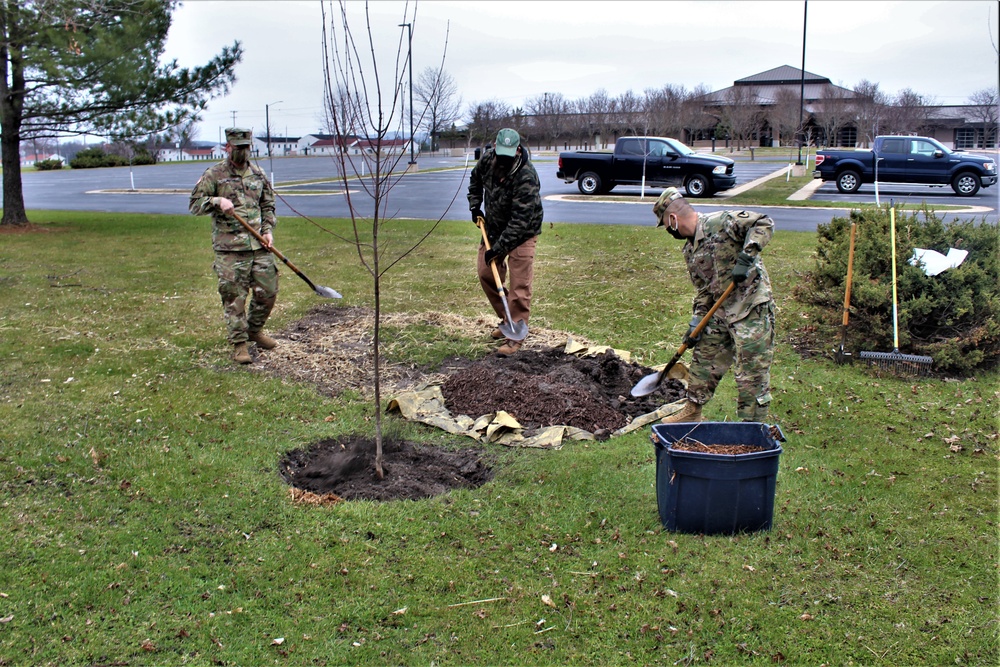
711 255
513 202
251 194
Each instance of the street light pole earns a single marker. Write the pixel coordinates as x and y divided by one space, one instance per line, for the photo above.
267 122
409 57
802 80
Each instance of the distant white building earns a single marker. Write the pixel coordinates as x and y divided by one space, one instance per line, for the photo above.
203 152
30 160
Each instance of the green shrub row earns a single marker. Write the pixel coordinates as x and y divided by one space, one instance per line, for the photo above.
953 317
90 158
48 165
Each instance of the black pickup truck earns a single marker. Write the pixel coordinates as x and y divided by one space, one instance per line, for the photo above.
902 159
655 161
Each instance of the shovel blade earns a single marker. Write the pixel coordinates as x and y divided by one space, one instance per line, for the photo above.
516 331
327 292
646 385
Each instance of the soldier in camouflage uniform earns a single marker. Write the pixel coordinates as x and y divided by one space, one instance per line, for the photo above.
242 264
721 247
506 182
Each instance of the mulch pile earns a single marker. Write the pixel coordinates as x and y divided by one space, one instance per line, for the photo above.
549 388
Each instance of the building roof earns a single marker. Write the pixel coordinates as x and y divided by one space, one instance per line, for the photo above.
766 85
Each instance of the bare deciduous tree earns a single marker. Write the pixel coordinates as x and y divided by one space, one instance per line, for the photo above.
833 111
436 91
868 105
486 119
985 109
370 104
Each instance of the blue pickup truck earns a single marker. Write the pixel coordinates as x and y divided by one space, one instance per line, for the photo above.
901 159
653 161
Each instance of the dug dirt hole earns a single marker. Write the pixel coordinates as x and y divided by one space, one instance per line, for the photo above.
540 386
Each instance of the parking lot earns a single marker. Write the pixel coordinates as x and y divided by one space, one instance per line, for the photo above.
438 190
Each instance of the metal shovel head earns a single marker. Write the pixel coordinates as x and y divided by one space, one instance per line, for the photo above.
646 385
517 331
327 292
651 382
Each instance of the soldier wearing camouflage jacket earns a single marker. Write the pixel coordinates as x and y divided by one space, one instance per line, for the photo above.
506 185
720 248
244 267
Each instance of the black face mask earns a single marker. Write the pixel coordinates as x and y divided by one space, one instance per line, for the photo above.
504 163
676 234
240 154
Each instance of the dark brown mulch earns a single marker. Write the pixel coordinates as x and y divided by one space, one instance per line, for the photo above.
346 468
549 388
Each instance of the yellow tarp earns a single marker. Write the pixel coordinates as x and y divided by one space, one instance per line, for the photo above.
426 405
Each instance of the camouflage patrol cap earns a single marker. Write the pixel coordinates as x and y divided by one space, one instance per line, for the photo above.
507 142
667 196
237 136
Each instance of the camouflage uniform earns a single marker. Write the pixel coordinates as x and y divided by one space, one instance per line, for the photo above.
242 264
742 329
513 208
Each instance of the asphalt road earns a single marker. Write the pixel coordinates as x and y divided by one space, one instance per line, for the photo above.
439 190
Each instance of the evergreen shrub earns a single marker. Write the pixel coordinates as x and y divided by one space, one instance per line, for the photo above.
953 317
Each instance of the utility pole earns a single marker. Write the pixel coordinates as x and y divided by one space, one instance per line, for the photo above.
267 123
409 58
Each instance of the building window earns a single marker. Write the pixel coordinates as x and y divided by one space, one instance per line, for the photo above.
987 137
848 137
965 138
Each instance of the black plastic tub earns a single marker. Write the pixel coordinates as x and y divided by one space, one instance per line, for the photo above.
711 494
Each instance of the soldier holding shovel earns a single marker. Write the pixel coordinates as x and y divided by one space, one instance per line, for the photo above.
722 248
244 264
506 183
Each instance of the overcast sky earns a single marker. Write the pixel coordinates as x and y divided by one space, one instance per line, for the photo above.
515 50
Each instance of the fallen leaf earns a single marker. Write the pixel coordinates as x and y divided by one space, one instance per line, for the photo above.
806 617
7 619
548 601
400 612
277 641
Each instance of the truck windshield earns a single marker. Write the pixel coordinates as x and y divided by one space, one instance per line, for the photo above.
679 147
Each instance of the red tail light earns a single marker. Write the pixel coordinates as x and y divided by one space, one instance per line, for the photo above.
819 159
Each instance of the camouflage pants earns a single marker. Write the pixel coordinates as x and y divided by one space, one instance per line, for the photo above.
750 344
240 274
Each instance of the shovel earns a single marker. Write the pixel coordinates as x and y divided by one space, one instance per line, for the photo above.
648 384
508 328
842 356
325 292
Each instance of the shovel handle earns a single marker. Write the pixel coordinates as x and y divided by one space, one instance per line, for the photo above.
697 332
496 274
263 242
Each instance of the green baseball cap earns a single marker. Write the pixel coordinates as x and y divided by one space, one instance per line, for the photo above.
507 142
237 136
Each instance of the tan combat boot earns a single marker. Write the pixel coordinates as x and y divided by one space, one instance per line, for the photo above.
691 412
263 341
510 347
241 354
496 334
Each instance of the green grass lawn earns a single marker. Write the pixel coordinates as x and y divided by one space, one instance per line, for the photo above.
144 521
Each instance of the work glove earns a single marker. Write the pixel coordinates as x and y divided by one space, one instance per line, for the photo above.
491 255
689 339
476 214
743 264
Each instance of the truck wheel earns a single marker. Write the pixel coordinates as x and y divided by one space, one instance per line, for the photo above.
590 183
965 184
848 182
697 186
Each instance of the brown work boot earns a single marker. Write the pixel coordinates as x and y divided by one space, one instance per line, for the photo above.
496 334
263 341
691 412
510 347
242 354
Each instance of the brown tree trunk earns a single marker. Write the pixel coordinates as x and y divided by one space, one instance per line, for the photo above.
13 193
11 115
